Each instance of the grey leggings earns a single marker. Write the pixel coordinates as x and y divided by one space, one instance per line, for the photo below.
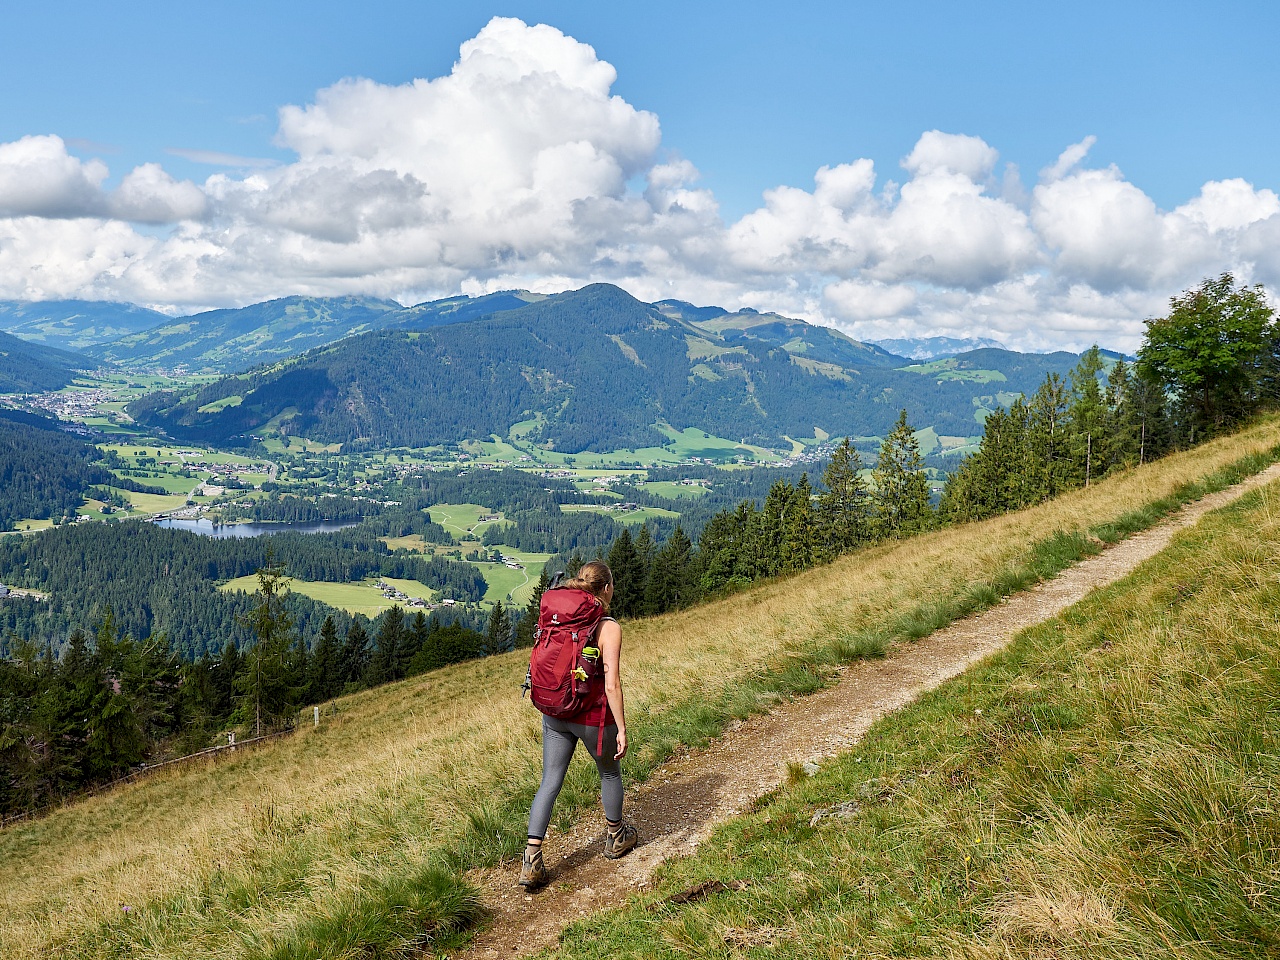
559 740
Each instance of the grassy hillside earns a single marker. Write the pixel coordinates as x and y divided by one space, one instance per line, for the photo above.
315 839
1103 788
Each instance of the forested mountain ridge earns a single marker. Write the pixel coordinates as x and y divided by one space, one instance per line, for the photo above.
75 324
588 369
233 340
33 368
236 339
44 472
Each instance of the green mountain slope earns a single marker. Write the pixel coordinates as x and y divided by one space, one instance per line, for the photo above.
32 368
233 340
596 368
75 324
236 339
806 340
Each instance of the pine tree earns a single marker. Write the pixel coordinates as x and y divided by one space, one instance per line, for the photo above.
265 689
901 494
844 507
529 622
498 633
628 585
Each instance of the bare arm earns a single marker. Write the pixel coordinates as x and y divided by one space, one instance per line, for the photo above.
611 650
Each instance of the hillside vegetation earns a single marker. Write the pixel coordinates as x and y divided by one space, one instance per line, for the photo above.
1103 788
351 837
34 368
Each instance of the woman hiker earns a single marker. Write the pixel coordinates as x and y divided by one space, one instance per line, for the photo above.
600 724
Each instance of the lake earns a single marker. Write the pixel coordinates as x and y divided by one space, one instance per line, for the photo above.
227 531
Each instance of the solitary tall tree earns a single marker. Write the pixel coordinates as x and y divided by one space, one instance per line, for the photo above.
844 507
901 488
265 688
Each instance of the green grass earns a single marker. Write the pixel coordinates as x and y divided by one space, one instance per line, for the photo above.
364 597
460 518
675 491
1105 787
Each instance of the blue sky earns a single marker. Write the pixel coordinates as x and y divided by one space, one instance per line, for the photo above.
754 96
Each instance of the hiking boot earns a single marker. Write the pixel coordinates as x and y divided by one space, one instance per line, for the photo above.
533 872
620 841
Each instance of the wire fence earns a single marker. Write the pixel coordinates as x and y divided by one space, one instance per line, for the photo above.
140 773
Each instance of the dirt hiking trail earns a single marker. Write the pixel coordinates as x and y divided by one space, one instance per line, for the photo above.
693 792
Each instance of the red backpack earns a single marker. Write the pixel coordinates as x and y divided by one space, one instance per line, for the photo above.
566 672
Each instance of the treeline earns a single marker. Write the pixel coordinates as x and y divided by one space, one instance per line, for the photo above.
1212 362
165 581
277 508
111 704
794 528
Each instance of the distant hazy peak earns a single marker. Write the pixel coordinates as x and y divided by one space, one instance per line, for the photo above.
929 348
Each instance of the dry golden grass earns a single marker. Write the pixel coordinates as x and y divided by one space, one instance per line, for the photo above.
391 774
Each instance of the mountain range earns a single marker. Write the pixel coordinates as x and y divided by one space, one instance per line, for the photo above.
930 348
591 369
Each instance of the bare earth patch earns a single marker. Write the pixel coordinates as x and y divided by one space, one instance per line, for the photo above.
693 792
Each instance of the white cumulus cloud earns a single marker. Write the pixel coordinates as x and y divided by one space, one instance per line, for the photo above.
521 168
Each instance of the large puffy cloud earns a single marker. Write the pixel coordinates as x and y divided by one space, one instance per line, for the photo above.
39 178
521 168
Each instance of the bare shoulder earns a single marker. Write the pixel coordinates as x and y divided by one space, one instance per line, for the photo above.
610 630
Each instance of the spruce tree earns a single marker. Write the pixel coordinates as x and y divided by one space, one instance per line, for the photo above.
266 692
355 656
901 490
645 552
323 677
799 531
1087 418
1049 439
670 586
628 585
384 664
844 507
415 639
498 632
529 622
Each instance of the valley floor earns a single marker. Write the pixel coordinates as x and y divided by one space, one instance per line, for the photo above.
679 807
